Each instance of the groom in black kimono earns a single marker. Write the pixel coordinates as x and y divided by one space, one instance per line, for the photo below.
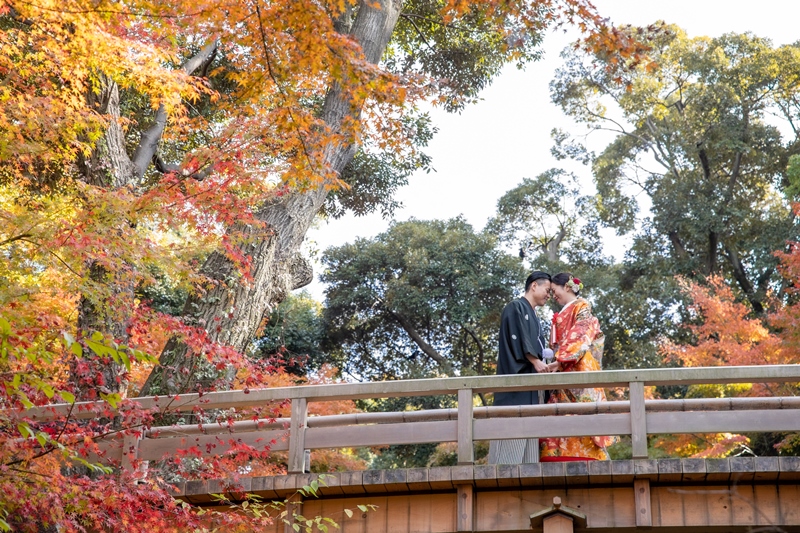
522 346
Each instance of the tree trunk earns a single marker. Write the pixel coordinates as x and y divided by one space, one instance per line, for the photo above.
110 167
232 310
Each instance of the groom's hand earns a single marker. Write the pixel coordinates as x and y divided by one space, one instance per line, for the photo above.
540 366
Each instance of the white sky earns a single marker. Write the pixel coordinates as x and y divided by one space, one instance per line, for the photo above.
491 146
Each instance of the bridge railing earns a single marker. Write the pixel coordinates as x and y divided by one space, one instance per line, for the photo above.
463 425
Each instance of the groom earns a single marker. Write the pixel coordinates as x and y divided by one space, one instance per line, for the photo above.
522 345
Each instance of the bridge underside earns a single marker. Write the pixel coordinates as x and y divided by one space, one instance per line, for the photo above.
713 495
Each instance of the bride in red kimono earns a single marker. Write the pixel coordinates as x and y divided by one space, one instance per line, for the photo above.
578 342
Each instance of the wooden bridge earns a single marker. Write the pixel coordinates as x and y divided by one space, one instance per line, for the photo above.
714 495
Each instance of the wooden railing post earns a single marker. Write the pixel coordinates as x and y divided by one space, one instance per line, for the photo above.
466 455
638 420
297 434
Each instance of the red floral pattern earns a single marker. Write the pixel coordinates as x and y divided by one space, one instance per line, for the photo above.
579 348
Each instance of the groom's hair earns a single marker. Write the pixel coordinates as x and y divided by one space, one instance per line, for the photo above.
536 275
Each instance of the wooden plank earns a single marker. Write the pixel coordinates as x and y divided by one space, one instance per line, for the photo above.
381 435
211 445
767 506
577 472
466 454
641 498
439 477
669 470
552 426
437 386
509 475
638 420
610 507
297 441
723 421
622 471
464 513
743 504
599 472
788 500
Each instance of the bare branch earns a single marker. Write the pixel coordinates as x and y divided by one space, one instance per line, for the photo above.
150 137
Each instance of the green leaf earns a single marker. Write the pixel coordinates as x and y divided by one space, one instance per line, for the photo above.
42 438
5 327
24 430
76 349
97 337
125 359
362 508
23 398
67 396
113 399
349 513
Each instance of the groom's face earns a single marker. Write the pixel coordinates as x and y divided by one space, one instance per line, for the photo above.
540 292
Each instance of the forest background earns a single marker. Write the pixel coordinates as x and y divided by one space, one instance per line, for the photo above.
161 165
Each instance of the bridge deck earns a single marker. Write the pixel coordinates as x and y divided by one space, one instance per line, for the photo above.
736 494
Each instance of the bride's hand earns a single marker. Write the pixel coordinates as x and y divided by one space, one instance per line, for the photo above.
555 366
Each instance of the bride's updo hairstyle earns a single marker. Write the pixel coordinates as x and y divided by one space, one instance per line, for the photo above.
566 279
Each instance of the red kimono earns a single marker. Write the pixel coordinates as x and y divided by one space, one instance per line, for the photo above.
578 343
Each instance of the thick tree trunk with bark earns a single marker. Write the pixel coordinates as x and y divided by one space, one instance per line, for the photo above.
232 310
110 166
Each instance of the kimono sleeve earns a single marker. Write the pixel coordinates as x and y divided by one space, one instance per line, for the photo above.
578 340
516 338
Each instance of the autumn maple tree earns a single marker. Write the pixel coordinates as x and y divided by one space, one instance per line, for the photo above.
182 147
724 331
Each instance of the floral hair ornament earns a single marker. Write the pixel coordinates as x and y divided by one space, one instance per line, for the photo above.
574 284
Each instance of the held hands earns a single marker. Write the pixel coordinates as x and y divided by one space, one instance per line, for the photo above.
540 366
549 364
555 366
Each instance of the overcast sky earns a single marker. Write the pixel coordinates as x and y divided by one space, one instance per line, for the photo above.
491 146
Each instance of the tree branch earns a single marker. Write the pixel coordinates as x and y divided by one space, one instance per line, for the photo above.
148 143
426 348
680 251
23 236
741 277
480 348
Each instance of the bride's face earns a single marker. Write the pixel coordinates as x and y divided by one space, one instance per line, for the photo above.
561 294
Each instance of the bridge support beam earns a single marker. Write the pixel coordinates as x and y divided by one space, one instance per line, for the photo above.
641 498
465 507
